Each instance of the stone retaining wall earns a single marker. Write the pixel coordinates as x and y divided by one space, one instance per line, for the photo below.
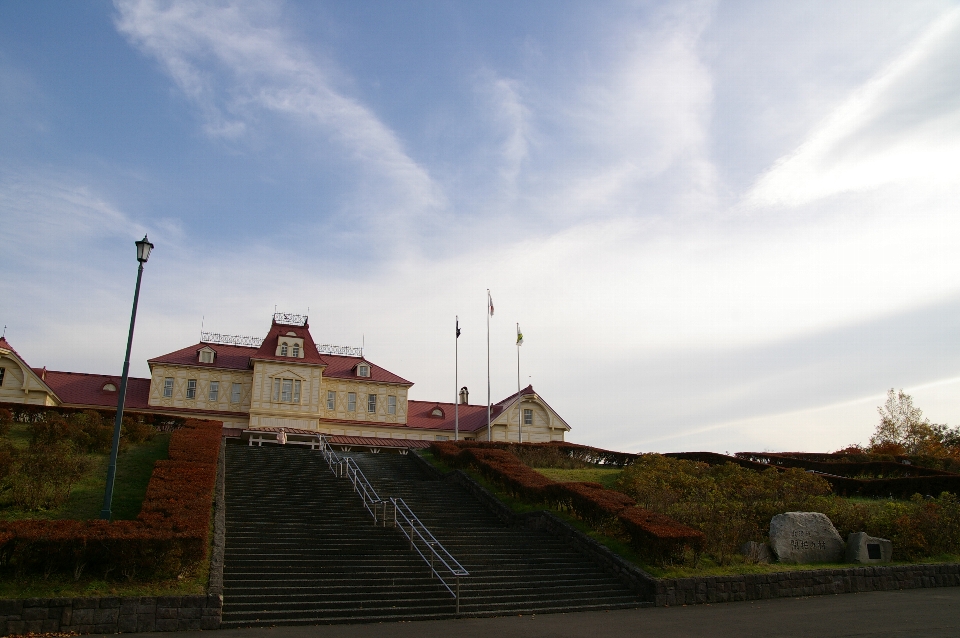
110 615
813 582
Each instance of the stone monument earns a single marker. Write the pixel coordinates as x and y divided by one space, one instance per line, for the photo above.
862 548
805 537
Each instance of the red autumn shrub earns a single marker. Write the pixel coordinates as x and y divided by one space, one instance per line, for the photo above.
169 537
659 537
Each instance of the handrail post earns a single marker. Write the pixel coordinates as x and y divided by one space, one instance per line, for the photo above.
458 594
411 534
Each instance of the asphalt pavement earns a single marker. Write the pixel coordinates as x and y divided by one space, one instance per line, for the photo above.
930 613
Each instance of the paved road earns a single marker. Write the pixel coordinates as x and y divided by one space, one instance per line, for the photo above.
930 613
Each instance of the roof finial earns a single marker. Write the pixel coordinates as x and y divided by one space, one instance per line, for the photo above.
4 333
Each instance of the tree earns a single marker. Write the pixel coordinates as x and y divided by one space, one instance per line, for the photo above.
904 430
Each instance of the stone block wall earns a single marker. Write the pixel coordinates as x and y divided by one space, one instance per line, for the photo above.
814 582
110 615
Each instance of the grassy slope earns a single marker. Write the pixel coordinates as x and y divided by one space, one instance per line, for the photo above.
134 467
607 478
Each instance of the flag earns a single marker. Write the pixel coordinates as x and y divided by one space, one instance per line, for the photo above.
458 328
519 336
490 302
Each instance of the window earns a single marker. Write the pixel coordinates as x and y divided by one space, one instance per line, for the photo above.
109 387
351 401
363 370
527 417
437 412
371 403
391 404
331 400
441 437
296 349
283 349
235 393
206 356
2 372
286 390
191 388
214 393
168 387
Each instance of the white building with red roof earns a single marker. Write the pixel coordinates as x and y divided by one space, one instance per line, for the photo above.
285 381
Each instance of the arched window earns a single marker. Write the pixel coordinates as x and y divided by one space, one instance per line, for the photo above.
109 387
283 349
296 349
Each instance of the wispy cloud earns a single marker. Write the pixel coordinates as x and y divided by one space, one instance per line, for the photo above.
901 126
235 63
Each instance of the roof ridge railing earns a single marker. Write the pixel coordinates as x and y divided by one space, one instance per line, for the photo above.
442 563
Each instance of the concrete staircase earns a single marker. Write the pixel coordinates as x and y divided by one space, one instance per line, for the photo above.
301 549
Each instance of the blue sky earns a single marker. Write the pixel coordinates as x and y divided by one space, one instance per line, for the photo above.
721 226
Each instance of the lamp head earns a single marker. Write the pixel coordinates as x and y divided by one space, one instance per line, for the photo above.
143 250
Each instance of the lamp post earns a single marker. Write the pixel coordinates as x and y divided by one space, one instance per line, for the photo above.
143 254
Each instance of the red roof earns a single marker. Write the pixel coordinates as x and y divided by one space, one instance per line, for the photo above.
472 417
231 357
6 344
343 368
352 440
239 357
268 349
78 388
526 391
376 442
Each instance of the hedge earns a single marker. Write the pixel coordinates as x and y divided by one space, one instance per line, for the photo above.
583 453
30 413
841 472
169 537
656 536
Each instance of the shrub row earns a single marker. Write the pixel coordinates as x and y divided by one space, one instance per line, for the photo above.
849 465
656 536
841 474
27 413
169 537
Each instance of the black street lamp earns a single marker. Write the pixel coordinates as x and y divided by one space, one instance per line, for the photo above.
143 254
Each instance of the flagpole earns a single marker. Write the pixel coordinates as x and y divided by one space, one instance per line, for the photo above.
456 383
519 413
489 306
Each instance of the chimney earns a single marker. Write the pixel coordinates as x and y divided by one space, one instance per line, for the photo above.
464 395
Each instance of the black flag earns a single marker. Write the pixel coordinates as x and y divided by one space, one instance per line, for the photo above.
458 328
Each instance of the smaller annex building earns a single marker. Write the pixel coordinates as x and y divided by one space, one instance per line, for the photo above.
285 381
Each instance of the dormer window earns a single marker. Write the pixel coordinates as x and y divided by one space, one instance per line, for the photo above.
290 345
109 387
363 370
207 355
437 412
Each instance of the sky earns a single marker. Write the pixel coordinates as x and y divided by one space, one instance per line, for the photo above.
724 226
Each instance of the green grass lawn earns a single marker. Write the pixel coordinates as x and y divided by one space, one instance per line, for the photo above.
606 477
134 467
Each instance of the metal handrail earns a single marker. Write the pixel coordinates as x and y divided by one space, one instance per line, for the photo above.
347 467
421 539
